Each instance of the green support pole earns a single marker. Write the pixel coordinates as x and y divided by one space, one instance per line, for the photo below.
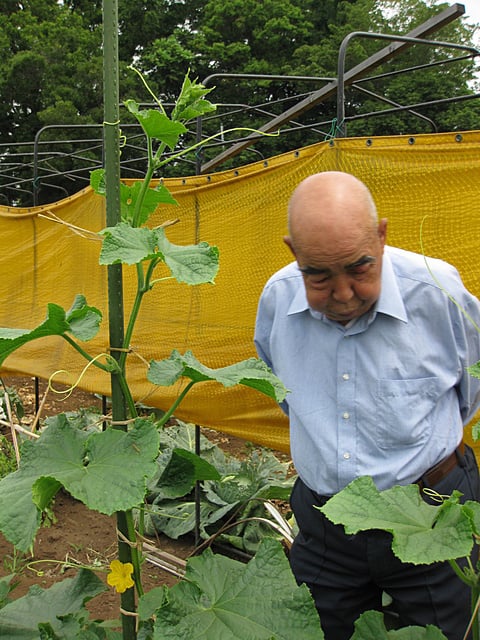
115 282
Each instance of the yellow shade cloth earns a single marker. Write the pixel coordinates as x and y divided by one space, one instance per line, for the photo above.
428 182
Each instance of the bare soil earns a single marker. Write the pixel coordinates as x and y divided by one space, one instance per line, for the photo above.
79 536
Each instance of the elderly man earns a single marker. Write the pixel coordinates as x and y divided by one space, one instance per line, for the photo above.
374 353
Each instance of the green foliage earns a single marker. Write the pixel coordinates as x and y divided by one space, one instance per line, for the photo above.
81 321
8 461
370 626
422 533
231 499
474 370
191 264
6 585
251 373
16 404
85 418
51 65
51 74
109 470
57 613
222 598
51 58
85 464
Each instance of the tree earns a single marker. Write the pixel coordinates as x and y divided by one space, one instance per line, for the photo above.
49 58
421 84
51 72
302 38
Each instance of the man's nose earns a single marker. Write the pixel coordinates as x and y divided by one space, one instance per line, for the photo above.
342 289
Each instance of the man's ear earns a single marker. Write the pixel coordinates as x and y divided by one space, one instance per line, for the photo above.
288 241
382 231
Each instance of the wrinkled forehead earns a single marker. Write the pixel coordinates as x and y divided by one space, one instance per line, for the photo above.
335 244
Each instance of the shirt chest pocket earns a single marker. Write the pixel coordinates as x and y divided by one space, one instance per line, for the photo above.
404 411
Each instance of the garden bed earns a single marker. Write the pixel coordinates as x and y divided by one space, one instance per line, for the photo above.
78 536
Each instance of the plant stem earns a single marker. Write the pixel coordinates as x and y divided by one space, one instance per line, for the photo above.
127 598
181 153
145 185
475 605
472 580
461 574
166 417
135 553
143 285
133 315
86 355
457 570
127 395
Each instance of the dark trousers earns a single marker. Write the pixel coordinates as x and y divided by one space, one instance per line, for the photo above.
348 574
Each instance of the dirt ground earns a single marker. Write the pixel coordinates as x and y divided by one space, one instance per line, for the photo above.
83 537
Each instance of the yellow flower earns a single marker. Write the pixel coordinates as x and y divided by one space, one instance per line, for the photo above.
120 575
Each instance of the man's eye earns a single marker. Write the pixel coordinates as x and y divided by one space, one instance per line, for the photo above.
362 268
317 280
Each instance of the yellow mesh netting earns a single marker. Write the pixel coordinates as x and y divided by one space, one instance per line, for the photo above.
243 212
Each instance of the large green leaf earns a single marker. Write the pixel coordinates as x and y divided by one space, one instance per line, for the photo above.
20 619
107 471
240 491
152 198
183 471
252 372
223 598
19 516
84 321
157 124
192 264
182 436
370 626
175 518
81 321
422 533
127 244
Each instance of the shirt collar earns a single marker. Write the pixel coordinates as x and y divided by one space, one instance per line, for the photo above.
389 303
299 302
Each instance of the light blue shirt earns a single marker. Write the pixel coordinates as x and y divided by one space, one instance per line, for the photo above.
387 395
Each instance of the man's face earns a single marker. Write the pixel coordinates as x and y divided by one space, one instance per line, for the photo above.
343 282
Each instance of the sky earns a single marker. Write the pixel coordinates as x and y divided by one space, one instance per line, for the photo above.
471 15
472 9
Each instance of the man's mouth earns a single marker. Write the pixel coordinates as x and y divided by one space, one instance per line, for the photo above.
343 315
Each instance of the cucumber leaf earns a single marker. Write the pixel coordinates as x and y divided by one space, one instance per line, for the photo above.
224 598
82 321
252 372
422 533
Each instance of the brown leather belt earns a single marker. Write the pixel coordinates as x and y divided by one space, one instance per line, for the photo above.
442 468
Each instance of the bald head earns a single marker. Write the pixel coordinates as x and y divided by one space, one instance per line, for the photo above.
332 205
338 244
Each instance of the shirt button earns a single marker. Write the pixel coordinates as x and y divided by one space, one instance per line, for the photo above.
346 415
346 455
346 376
